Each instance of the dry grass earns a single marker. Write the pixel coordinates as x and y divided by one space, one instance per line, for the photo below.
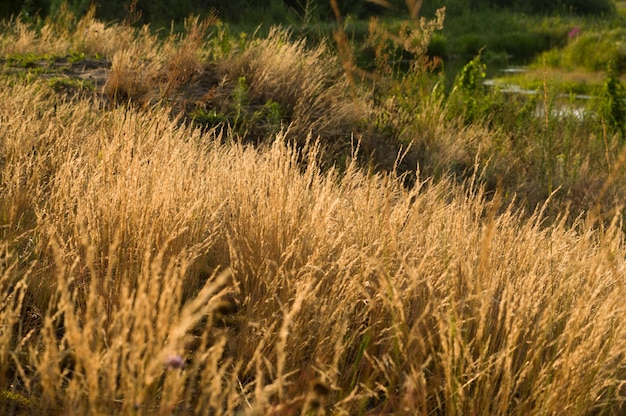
147 266
303 82
148 70
256 87
65 33
344 293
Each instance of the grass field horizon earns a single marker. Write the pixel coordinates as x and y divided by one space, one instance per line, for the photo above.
219 224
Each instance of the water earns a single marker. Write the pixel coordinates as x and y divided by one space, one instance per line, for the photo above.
565 105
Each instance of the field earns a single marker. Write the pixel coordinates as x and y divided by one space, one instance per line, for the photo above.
217 223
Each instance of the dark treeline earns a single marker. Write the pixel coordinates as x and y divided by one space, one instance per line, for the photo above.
278 11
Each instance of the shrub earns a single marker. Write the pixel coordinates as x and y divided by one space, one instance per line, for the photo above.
438 46
582 7
589 7
591 50
468 93
613 104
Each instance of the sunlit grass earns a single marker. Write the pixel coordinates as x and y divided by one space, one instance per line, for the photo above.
152 264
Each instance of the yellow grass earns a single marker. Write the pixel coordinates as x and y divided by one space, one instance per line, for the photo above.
343 293
149 267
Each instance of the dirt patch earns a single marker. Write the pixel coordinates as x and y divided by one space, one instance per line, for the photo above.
95 70
67 70
79 76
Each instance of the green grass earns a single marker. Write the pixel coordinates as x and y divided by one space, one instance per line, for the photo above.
591 50
66 83
579 64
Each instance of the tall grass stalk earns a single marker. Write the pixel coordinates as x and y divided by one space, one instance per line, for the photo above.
345 292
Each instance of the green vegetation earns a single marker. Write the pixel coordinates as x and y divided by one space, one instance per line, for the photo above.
205 221
591 49
614 102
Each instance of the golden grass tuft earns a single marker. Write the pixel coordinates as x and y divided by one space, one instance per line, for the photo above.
64 33
347 293
305 82
148 70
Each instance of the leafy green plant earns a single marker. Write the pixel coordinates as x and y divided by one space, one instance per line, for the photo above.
240 101
270 115
223 41
468 93
266 120
613 102
76 56
211 117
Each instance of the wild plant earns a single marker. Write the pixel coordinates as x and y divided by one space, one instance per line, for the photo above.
470 91
613 106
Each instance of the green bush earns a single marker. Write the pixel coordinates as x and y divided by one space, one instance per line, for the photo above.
438 46
468 94
581 7
518 44
589 7
591 50
613 102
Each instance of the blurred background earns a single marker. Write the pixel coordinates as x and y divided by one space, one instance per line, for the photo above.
250 12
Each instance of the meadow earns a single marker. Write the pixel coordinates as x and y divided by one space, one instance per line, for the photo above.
217 223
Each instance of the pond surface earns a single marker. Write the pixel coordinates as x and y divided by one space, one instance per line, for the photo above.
564 105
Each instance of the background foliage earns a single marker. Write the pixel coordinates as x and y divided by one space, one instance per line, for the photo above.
164 11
